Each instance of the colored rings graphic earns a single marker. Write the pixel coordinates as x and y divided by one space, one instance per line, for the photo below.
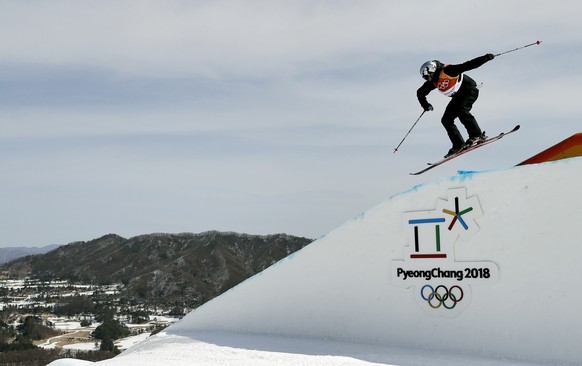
441 296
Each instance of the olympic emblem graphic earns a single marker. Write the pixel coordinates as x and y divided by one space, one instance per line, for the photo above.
436 298
443 85
442 286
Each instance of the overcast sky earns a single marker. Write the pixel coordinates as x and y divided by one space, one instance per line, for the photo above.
133 117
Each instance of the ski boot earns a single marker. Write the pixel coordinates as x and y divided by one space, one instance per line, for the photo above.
475 140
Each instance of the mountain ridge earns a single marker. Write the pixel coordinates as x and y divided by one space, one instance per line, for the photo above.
8 254
185 269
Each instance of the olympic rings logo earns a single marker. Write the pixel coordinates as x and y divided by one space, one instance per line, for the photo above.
443 85
442 296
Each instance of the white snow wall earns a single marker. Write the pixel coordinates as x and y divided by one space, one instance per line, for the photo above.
342 286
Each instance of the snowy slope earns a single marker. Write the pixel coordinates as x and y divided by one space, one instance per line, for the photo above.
502 245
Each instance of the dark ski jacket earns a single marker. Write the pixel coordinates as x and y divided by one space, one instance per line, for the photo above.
453 70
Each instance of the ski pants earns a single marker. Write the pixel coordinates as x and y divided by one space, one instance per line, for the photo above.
460 107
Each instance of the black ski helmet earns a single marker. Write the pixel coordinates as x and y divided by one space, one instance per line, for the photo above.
429 68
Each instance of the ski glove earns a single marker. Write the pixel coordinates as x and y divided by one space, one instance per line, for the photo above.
428 107
490 56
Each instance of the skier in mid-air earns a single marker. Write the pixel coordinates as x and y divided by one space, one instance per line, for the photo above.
450 80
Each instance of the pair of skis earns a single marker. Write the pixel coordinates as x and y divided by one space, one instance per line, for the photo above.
464 151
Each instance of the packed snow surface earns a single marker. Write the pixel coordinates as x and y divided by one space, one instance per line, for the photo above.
220 348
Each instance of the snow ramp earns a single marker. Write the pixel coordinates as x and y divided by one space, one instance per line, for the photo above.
480 264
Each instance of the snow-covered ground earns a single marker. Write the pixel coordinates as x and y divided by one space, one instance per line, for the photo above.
27 295
76 337
227 348
361 295
122 344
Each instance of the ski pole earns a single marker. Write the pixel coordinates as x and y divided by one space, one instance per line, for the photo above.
405 136
518 48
